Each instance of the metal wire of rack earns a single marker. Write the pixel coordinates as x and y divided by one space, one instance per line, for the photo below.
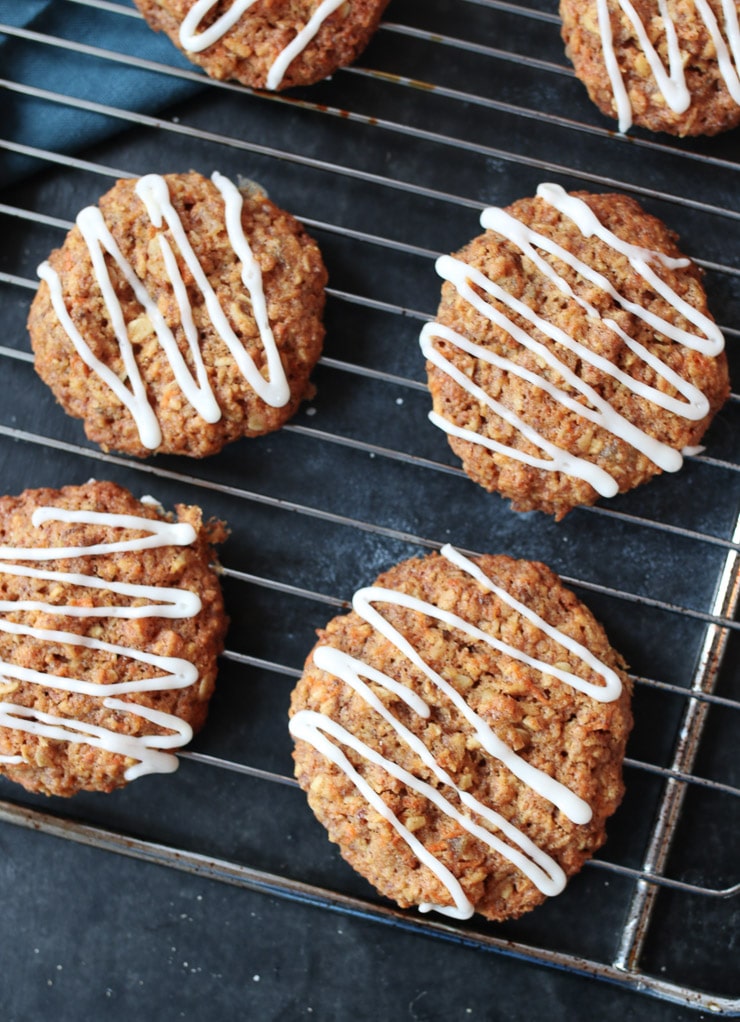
387 165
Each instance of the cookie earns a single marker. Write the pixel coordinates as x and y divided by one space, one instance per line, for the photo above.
112 622
267 44
573 355
460 734
180 314
665 65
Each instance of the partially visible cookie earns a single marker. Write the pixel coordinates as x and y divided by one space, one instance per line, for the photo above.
573 355
460 734
180 314
673 69
267 44
111 623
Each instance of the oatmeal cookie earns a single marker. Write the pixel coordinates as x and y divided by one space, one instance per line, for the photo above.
180 314
460 734
677 74
112 622
573 355
267 44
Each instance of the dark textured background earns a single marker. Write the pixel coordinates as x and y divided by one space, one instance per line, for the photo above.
86 932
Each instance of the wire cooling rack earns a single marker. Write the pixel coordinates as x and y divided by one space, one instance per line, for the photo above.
456 104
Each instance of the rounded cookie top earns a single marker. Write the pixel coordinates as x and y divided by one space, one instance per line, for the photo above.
573 355
180 314
460 734
111 623
671 67
267 44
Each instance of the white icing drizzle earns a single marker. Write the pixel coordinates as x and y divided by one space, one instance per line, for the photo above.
301 41
194 41
588 223
164 602
314 728
606 693
558 460
161 533
196 388
671 83
692 403
308 726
